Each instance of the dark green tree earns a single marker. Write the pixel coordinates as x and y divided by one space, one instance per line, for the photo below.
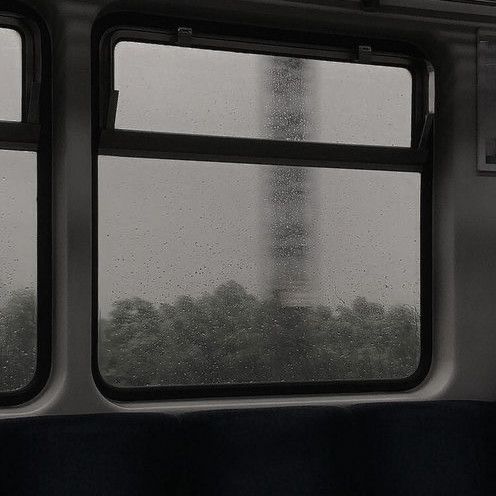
18 340
228 336
231 336
130 344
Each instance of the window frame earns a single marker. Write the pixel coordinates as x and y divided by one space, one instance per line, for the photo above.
166 145
33 133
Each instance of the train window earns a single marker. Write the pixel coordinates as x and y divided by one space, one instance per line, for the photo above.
262 217
11 80
215 273
214 92
25 261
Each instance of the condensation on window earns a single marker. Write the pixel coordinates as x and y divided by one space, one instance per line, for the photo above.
213 92
218 273
18 249
11 75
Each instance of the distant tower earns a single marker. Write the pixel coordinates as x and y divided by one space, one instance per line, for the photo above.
288 118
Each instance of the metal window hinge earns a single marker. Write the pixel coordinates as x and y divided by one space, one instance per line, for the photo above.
426 131
112 109
33 111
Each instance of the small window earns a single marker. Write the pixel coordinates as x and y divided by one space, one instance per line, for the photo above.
214 92
11 78
25 270
261 219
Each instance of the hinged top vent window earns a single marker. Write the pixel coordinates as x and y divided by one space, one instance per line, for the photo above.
10 75
188 90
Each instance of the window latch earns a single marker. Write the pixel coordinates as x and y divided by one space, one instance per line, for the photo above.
371 5
184 36
364 54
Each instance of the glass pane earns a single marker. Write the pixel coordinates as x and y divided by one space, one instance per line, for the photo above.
215 273
10 75
209 92
17 269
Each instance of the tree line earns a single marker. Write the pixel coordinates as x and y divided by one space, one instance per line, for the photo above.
228 336
232 336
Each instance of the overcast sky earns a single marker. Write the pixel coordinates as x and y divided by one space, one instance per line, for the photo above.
169 228
10 75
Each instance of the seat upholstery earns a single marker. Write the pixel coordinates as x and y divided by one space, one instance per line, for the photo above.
269 452
97 455
407 449
417 449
